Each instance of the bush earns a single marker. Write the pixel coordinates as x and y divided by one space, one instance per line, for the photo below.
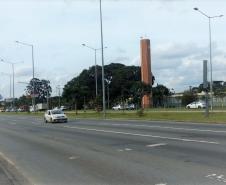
140 112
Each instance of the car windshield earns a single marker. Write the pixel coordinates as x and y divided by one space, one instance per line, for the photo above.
57 112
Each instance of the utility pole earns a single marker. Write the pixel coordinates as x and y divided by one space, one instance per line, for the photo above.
102 57
205 86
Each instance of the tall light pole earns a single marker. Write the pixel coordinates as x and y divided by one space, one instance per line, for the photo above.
59 94
95 55
102 54
33 70
210 51
108 81
12 65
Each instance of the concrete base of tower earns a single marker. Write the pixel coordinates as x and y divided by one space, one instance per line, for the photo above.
147 101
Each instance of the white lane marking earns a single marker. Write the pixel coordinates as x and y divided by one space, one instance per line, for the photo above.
216 177
161 184
144 135
173 128
156 145
73 157
120 150
7 159
128 149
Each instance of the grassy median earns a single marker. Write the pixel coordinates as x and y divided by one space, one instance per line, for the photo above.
151 114
188 116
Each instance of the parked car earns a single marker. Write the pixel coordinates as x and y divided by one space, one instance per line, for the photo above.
196 105
130 107
117 107
13 110
56 115
7 110
19 110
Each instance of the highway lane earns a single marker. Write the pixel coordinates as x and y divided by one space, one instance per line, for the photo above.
115 152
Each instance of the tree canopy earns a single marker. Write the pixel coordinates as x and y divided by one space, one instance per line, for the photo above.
159 93
120 80
42 89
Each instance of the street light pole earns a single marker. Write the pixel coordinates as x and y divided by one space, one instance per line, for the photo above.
58 88
33 70
102 54
95 55
95 51
210 51
13 85
12 65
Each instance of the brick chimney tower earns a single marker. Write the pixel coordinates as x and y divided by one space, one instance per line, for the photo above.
146 74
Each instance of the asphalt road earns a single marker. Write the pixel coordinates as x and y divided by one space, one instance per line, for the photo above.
89 152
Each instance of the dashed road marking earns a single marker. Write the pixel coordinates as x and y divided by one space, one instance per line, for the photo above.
7 159
161 184
172 128
143 135
73 157
219 178
120 150
156 145
126 149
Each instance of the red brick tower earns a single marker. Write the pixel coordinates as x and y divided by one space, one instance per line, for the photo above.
146 74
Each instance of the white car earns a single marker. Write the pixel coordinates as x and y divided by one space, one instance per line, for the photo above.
54 116
117 107
196 105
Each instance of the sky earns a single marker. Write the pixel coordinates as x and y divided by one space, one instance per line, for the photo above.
58 28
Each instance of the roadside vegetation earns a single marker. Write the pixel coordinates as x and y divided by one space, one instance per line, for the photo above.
183 115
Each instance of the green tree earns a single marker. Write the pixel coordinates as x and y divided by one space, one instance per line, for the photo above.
42 89
138 90
121 79
188 97
159 93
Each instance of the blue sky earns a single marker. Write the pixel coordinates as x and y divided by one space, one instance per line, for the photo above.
58 28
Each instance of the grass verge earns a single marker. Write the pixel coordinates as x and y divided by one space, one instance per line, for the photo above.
184 116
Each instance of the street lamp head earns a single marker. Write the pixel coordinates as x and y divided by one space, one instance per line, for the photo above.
221 15
83 44
196 9
16 41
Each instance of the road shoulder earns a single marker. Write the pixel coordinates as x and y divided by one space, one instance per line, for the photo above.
9 174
